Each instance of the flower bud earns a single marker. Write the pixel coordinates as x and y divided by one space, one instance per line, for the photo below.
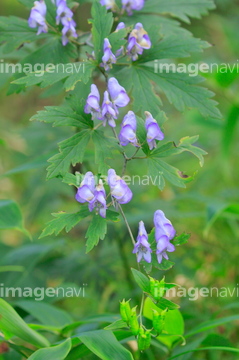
157 288
144 339
158 321
125 310
133 322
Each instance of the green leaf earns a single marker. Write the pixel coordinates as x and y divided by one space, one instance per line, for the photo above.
213 348
64 221
117 38
11 322
15 31
57 352
65 115
103 146
180 8
185 144
142 280
104 344
207 325
72 152
166 304
96 232
159 171
72 72
118 324
181 239
101 27
45 313
180 89
11 217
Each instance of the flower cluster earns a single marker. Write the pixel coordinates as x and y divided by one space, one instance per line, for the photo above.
164 233
63 16
114 97
127 5
95 195
138 41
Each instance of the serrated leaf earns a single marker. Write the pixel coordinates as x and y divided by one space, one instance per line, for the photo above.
64 221
96 232
117 38
101 27
71 73
15 31
103 146
185 144
180 8
181 239
181 90
65 115
71 151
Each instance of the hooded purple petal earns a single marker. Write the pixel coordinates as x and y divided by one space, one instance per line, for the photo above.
118 188
128 128
37 17
163 226
108 111
93 103
117 93
153 130
142 246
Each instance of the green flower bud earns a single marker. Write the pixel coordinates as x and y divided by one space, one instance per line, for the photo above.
133 321
158 321
157 288
125 310
144 339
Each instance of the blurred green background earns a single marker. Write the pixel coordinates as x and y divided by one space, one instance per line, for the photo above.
208 208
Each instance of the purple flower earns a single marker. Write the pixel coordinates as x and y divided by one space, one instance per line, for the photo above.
86 190
163 245
164 232
94 195
63 11
108 57
110 4
68 29
130 5
163 226
38 17
153 131
142 246
118 94
99 200
118 187
128 128
120 26
108 111
93 103
137 42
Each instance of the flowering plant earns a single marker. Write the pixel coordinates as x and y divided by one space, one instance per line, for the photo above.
114 105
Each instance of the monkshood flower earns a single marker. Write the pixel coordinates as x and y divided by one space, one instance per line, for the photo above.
108 114
110 4
118 94
94 195
38 17
68 30
99 200
120 26
153 131
164 232
142 246
137 42
63 11
118 188
163 226
108 57
93 103
86 190
128 130
130 5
